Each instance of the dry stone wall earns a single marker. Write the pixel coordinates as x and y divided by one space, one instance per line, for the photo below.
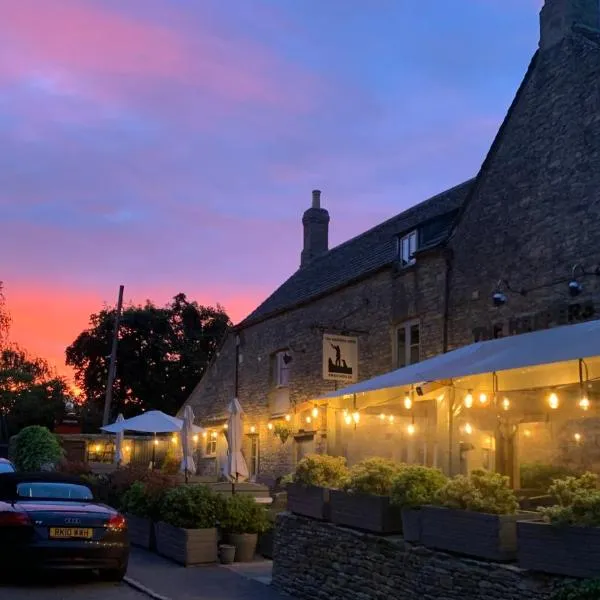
320 560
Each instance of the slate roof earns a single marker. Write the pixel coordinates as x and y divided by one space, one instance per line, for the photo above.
358 257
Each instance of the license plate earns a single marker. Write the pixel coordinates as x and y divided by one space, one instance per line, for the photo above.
70 533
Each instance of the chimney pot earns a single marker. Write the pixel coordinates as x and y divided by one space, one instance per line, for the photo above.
316 199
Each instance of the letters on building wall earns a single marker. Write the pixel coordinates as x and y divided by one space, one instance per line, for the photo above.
340 358
563 314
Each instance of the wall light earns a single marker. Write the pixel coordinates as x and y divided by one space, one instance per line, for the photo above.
348 419
584 403
468 429
483 398
468 402
270 426
553 401
356 416
411 429
407 402
506 404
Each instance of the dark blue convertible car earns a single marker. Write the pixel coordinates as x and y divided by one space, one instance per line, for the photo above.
53 521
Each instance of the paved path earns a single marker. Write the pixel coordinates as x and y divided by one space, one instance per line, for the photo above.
200 583
67 587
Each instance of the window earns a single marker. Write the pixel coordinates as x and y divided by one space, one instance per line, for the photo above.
281 368
408 340
253 466
407 249
211 444
50 490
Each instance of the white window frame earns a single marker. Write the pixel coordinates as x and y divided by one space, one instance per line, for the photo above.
409 345
210 447
407 246
254 458
282 370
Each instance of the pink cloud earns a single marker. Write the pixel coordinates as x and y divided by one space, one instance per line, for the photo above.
73 46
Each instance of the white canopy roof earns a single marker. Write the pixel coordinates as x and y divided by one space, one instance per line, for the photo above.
566 343
153 421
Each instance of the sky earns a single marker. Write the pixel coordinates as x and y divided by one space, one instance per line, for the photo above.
172 145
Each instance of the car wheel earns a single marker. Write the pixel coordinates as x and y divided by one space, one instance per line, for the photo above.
115 575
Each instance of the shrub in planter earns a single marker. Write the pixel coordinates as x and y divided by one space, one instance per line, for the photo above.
540 476
187 531
36 448
567 542
477 517
242 520
364 502
71 467
413 488
586 590
308 494
136 506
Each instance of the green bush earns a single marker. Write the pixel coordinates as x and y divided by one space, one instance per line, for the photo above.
242 514
584 590
321 470
567 489
539 476
191 507
481 492
36 447
416 486
136 501
583 511
372 476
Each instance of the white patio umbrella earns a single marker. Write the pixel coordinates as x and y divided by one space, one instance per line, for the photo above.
153 421
119 441
187 442
236 464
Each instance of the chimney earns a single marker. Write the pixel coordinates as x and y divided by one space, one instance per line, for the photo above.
316 231
557 18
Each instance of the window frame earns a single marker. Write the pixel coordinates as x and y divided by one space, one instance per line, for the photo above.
254 456
280 366
210 442
408 343
411 259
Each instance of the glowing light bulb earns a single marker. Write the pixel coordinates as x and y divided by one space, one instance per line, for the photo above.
468 429
196 439
174 439
553 401
527 433
506 404
288 418
213 435
348 419
411 429
270 426
98 448
156 442
315 412
382 416
584 403
204 434
468 402
391 418
356 417
127 448
308 420
482 398
252 429
407 402
226 426
577 437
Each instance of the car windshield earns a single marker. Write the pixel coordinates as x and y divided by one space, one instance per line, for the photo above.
52 490
6 467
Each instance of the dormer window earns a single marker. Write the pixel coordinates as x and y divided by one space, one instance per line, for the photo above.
407 249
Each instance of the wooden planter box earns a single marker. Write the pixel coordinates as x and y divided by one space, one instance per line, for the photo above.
411 524
308 501
493 537
560 550
141 532
374 514
187 546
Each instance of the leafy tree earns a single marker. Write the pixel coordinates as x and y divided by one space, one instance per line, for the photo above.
30 392
162 354
35 448
4 318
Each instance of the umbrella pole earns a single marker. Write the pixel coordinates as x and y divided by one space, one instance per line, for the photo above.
153 451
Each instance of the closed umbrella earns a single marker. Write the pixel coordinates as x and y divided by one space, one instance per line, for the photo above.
187 442
119 441
236 464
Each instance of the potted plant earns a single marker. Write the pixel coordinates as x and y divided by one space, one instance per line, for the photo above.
364 502
308 493
566 539
136 506
477 517
187 531
412 488
242 520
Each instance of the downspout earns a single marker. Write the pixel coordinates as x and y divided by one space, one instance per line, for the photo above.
446 318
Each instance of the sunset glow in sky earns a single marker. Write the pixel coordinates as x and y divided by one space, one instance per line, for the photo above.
172 145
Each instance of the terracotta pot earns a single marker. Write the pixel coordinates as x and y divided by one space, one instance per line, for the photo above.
245 545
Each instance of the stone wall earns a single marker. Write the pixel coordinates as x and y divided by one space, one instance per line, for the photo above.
320 560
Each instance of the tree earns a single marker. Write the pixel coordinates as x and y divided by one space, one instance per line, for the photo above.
30 392
4 318
162 354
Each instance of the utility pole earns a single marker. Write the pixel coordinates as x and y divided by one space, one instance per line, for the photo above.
113 359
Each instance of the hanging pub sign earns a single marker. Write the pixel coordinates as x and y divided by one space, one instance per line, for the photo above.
340 358
560 314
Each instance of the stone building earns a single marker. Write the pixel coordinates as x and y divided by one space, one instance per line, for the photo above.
494 256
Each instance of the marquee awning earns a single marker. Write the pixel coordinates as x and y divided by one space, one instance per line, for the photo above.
560 344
